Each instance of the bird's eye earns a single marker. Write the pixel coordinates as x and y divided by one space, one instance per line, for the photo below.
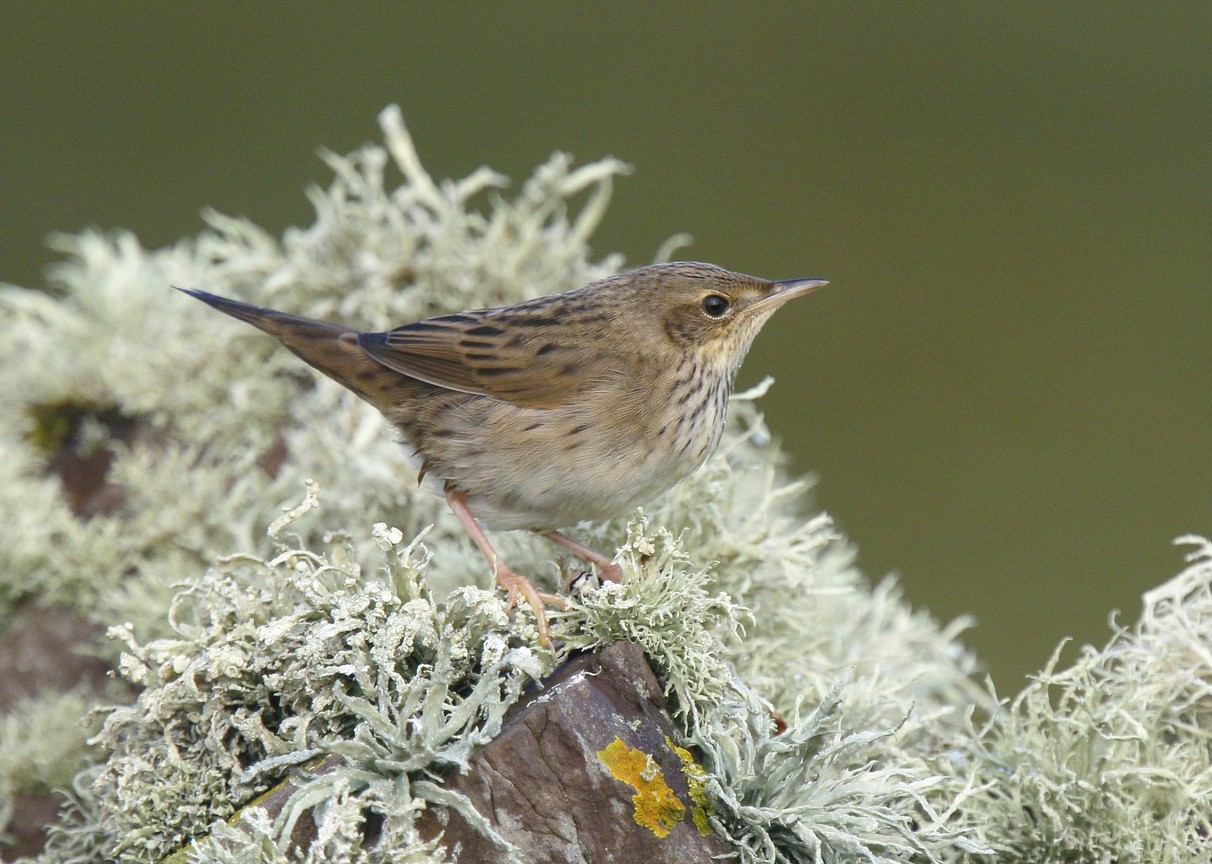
715 305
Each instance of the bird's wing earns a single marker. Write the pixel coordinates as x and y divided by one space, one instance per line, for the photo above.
519 359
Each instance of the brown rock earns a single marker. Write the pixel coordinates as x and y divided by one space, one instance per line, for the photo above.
83 467
30 816
43 650
48 650
584 771
569 779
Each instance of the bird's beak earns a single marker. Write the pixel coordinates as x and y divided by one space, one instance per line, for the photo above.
788 289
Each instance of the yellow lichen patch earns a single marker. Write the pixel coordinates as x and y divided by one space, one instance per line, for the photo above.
701 809
656 807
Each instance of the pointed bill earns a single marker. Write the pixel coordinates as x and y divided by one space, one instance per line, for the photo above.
789 289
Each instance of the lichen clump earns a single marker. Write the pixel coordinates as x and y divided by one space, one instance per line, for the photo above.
700 809
252 656
655 806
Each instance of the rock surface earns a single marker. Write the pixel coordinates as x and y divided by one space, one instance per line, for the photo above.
585 770
43 650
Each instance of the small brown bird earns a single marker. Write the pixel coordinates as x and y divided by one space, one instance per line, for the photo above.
573 406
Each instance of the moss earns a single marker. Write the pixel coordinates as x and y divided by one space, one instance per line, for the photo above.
60 424
52 424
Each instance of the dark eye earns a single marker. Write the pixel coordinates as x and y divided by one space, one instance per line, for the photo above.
715 305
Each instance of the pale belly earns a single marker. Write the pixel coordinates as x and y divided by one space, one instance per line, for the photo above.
541 470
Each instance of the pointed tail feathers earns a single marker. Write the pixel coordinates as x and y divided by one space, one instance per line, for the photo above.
330 348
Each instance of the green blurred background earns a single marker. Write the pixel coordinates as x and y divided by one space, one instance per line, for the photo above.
1004 391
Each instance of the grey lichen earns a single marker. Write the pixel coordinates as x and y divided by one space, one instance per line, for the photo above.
212 402
339 635
271 664
1110 759
43 743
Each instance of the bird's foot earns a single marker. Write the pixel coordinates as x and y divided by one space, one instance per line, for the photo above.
610 572
515 584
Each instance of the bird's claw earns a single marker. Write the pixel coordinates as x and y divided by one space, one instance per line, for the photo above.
610 572
515 584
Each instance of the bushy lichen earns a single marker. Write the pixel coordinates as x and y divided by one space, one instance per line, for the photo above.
42 743
1110 759
333 637
221 405
271 664
816 789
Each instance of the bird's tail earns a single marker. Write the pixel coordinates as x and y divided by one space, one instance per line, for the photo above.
330 348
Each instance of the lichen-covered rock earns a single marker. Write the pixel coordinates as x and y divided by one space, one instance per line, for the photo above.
584 770
253 656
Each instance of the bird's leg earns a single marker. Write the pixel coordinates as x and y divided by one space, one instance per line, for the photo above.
513 583
607 569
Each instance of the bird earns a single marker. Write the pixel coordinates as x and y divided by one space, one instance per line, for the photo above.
569 407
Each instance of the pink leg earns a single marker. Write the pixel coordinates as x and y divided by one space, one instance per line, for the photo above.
513 583
607 569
